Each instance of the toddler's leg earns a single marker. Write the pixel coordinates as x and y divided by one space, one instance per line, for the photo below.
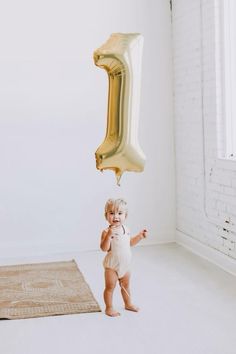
125 292
110 283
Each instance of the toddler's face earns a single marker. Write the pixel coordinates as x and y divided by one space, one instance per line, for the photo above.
116 217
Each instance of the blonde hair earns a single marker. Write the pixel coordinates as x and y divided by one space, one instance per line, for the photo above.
116 204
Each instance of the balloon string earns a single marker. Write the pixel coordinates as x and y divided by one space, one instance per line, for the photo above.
118 180
125 291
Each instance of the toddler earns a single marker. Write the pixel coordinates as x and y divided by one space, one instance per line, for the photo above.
116 241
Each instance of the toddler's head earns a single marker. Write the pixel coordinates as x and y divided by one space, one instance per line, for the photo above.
115 206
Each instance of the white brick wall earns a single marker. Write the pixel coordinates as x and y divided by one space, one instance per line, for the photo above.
205 182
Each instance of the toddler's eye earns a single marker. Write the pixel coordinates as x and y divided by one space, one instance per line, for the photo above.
120 212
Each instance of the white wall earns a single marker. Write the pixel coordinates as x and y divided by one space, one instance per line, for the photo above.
53 117
205 181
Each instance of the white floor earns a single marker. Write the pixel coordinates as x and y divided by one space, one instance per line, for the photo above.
188 306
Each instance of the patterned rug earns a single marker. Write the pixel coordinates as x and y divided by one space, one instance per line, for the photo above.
44 289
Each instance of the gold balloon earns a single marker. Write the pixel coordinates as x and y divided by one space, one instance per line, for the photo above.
121 57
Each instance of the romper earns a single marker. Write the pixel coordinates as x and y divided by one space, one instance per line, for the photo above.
119 255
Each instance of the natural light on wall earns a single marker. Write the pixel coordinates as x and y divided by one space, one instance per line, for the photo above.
229 75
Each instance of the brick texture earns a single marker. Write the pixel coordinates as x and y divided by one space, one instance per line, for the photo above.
205 180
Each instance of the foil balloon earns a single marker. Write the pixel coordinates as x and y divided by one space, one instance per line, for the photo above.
121 57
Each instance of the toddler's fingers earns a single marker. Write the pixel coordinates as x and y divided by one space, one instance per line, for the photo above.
145 233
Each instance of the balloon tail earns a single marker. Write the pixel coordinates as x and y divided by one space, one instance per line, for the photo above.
118 177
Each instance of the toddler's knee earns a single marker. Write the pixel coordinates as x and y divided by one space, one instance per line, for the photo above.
110 287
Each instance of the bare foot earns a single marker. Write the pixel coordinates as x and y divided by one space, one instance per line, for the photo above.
131 308
111 312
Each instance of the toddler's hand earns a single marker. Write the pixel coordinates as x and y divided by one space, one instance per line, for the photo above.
109 232
143 233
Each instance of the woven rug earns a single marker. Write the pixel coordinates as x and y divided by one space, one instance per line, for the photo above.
44 289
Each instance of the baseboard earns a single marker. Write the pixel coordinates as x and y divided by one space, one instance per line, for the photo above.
221 260
39 249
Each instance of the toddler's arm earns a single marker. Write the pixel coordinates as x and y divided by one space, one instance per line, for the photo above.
106 240
134 240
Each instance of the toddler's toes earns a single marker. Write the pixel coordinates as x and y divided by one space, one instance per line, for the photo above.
112 313
132 308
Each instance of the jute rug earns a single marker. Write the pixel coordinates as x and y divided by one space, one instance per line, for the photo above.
44 289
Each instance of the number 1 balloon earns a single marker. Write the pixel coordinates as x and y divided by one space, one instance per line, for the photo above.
121 57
